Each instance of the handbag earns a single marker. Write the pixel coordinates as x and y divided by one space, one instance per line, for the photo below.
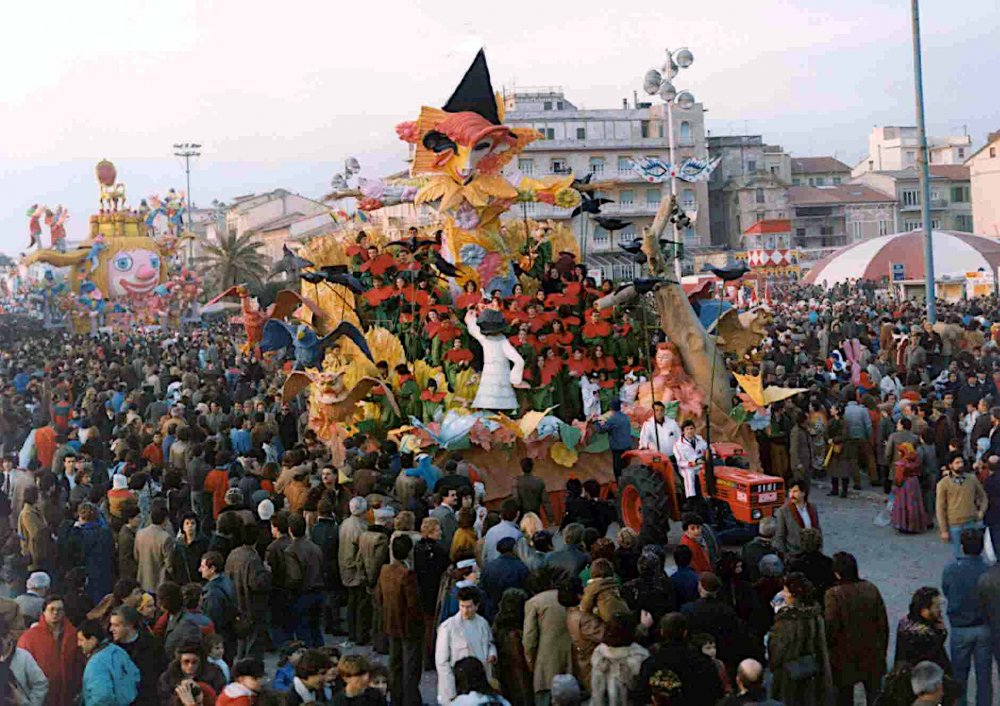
805 667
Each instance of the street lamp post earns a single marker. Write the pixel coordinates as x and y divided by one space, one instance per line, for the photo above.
924 166
660 82
187 150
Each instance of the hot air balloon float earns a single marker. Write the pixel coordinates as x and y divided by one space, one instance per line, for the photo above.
122 274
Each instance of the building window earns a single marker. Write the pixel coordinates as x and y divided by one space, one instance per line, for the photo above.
600 236
690 237
628 233
688 201
547 105
624 164
581 133
775 170
751 165
911 197
961 153
558 166
820 181
826 230
800 234
685 131
760 195
652 197
837 181
644 128
559 105
993 151
960 194
912 225
526 166
883 227
597 165
796 182
963 223
626 197
935 225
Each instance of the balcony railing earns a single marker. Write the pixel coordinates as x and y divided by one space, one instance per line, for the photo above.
936 204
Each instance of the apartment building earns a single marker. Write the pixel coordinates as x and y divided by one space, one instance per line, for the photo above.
894 148
951 199
819 171
603 143
748 186
984 178
269 216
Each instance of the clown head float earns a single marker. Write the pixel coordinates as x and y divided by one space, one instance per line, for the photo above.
118 273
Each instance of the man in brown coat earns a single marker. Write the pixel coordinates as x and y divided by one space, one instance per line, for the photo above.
398 597
36 536
530 492
546 641
857 631
154 546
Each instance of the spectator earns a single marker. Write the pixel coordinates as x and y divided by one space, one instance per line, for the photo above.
547 644
252 584
506 571
154 548
33 599
798 656
530 494
398 596
304 574
616 664
248 678
352 573
693 540
189 667
52 643
144 651
27 682
970 632
684 579
961 503
465 634
110 678
794 516
857 631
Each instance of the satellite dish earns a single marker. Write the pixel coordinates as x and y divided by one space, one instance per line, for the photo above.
667 91
684 58
651 82
685 100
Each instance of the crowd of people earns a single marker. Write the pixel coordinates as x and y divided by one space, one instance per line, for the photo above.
169 526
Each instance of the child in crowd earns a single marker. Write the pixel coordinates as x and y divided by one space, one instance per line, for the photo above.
705 643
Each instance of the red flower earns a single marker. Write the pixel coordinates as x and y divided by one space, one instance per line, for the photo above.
367 204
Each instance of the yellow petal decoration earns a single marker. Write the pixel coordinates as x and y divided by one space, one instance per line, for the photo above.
754 387
530 421
563 455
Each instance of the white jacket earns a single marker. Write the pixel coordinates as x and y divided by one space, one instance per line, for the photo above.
667 433
452 645
614 671
31 682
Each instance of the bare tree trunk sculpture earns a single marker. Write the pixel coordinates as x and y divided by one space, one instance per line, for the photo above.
697 349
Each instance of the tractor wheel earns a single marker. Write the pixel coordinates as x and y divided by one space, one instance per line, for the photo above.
644 503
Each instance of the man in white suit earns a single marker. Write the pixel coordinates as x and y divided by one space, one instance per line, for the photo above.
465 634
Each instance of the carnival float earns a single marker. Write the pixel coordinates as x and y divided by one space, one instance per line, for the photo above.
125 272
481 333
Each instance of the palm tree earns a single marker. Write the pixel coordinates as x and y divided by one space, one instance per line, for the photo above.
233 260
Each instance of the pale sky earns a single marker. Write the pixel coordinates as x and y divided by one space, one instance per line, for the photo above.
280 92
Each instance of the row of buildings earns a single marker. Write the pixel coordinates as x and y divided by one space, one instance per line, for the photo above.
828 204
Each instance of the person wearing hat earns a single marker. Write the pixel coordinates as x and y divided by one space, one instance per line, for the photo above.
32 600
503 366
352 572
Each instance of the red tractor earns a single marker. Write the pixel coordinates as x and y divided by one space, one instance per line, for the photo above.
648 496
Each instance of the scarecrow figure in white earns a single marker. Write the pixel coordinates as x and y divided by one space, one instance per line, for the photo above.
503 367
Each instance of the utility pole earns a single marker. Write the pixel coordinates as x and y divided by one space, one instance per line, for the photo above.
187 150
924 167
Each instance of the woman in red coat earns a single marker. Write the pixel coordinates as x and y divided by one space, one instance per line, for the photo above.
52 642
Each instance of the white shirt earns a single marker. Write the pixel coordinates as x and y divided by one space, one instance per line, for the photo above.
668 432
804 514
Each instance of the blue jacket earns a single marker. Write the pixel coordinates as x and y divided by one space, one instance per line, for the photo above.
619 431
110 678
857 421
958 583
685 581
241 441
500 574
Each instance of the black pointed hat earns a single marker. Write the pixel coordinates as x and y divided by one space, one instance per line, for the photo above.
475 92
